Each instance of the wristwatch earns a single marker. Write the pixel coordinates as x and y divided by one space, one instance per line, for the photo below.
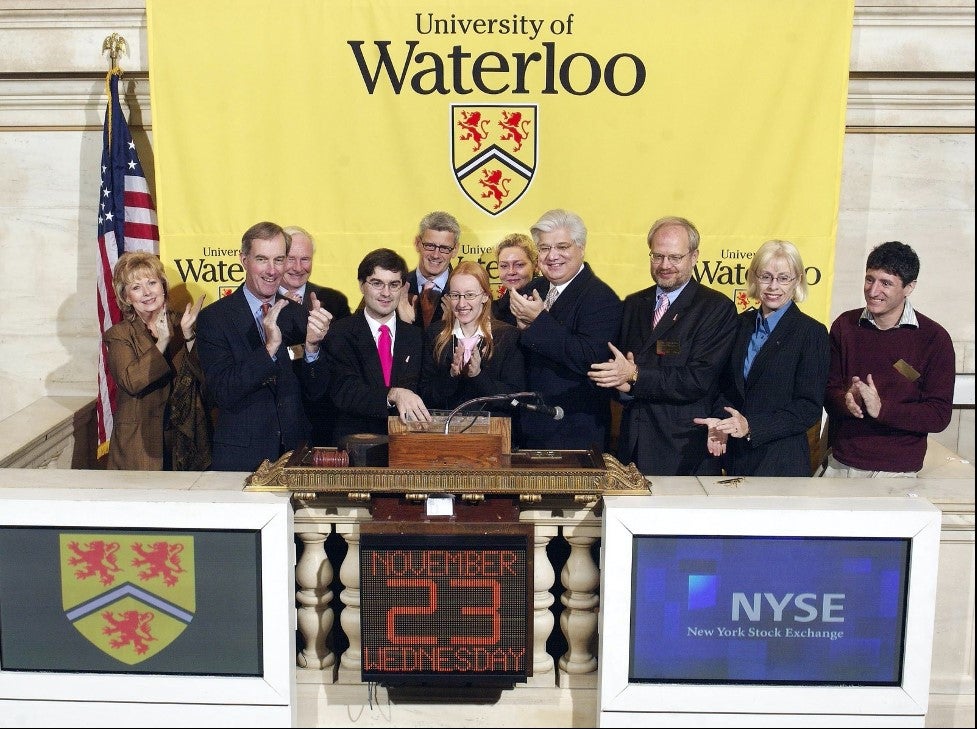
634 376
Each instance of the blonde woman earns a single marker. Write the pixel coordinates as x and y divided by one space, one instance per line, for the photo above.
517 258
773 387
470 354
159 421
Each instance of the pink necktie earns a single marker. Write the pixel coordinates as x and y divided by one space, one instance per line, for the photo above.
469 343
660 308
386 353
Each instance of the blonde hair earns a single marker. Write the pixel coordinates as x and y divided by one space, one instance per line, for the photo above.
467 268
131 267
786 251
519 240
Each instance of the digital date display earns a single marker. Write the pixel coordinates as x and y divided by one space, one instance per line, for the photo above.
446 607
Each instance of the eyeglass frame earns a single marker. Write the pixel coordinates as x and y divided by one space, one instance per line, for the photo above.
766 279
673 258
378 285
455 296
431 247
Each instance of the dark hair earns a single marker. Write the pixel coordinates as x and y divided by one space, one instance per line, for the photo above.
895 258
384 258
263 231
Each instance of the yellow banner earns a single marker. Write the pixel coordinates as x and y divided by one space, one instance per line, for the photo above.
354 119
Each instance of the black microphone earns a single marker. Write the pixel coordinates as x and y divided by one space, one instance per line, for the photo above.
555 412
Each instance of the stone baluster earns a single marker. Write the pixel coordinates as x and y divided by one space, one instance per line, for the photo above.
350 663
314 575
544 670
581 599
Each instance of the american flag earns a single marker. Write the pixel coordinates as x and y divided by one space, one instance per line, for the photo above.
126 222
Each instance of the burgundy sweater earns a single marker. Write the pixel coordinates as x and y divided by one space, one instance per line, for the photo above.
911 409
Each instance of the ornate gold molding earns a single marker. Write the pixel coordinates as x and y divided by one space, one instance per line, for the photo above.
532 476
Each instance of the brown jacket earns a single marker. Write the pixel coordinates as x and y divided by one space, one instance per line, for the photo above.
149 415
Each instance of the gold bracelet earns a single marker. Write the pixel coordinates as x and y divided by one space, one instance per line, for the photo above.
634 376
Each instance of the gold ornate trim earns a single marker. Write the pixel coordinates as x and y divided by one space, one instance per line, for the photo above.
583 475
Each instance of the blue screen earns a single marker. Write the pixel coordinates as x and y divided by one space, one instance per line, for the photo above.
768 610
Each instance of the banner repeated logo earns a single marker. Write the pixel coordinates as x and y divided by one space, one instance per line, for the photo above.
493 152
128 597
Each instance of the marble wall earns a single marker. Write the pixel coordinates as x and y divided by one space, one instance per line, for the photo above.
908 174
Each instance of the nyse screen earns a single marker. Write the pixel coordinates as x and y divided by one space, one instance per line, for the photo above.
449 607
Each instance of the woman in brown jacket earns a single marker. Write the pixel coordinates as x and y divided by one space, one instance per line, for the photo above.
159 420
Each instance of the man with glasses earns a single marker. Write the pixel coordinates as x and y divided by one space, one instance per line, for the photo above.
891 378
436 244
374 357
566 318
675 340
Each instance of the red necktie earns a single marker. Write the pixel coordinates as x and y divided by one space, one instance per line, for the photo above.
660 309
386 353
427 303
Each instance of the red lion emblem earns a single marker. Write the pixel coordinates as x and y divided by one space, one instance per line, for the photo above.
132 627
163 560
516 128
474 127
496 184
98 558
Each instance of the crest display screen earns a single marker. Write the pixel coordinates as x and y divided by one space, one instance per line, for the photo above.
446 607
184 602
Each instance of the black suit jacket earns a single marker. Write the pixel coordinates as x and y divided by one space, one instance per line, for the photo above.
560 345
503 373
679 366
781 398
259 399
320 412
333 301
357 391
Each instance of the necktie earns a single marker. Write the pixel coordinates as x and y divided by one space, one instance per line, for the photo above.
469 343
386 353
265 307
660 308
551 296
427 302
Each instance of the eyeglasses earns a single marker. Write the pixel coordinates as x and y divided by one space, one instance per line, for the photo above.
378 285
766 279
430 247
559 248
467 296
673 258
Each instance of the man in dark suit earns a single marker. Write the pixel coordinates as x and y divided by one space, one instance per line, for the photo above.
436 244
297 287
677 337
361 391
566 318
243 346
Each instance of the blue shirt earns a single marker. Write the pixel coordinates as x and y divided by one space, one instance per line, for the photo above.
764 326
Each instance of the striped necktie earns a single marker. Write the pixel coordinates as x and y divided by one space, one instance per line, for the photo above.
660 308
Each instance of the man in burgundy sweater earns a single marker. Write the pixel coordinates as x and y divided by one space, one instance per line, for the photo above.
891 378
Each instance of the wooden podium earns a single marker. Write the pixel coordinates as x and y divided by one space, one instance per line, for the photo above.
480 441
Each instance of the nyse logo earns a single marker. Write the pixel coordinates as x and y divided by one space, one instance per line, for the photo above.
801 608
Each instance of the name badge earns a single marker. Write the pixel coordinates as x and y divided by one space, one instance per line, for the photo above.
663 346
906 370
